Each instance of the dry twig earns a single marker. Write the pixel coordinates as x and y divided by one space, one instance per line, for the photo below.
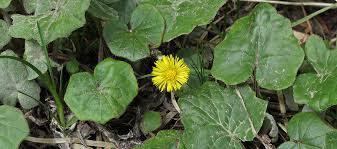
314 4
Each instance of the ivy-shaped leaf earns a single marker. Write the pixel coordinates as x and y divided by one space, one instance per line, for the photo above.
14 83
215 117
34 55
102 10
261 42
5 3
103 95
13 127
147 26
182 16
4 38
318 90
57 19
307 130
165 139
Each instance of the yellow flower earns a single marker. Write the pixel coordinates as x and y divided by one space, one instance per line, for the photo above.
170 73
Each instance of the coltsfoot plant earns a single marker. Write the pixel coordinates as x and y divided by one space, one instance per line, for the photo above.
101 62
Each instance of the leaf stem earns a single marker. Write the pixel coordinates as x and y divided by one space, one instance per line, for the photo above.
281 101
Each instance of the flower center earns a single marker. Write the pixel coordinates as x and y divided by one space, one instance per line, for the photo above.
171 74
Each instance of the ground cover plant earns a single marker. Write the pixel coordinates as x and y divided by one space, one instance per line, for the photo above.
169 74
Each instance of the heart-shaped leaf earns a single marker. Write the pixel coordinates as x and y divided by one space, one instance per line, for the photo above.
13 127
147 26
215 117
57 20
262 42
317 90
182 16
5 3
14 82
307 130
104 95
4 38
165 139
102 10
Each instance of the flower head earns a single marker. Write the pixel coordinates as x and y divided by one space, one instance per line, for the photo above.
170 73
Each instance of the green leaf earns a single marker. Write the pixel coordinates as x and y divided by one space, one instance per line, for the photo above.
215 117
317 90
73 66
262 42
4 38
102 10
103 95
57 20
125 9
331 140
29 5
182 16
34 55
147 26
307 130
151 121
5 3
14 82
13 127
165 139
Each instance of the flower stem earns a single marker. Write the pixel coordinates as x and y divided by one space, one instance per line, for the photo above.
174 102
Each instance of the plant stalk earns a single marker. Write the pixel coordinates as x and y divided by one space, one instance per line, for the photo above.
174 102
306 18
51 82
281 102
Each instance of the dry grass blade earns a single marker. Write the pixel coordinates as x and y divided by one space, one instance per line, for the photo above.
71 141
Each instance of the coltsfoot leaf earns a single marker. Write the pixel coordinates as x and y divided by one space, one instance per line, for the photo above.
151 121
182 16
165 139
215 117
147 26
57 20
14 82
318 90
4 38
103 95
307 130
13 127
262 42
5 3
